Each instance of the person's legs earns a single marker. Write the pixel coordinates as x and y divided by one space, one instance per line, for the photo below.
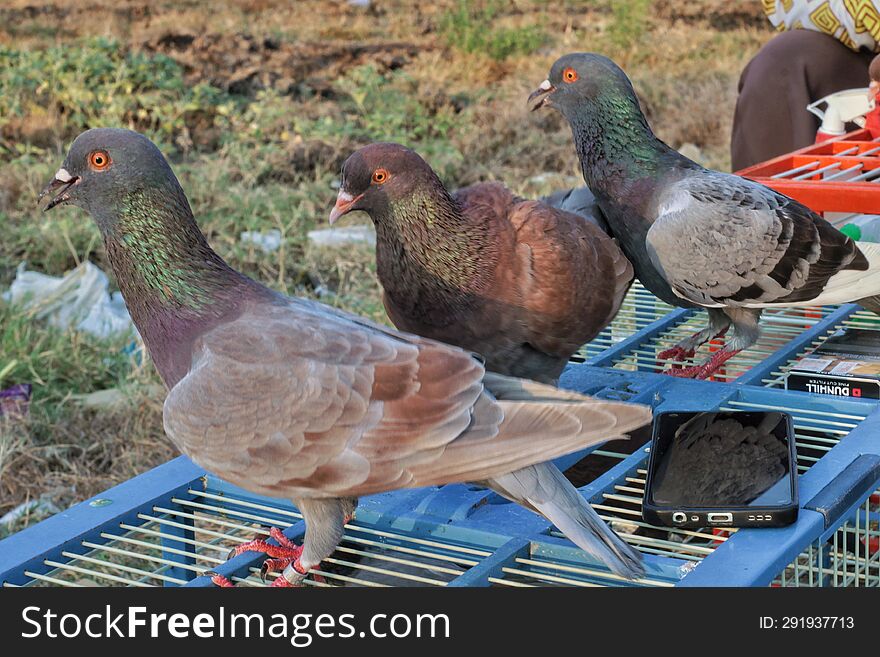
792 70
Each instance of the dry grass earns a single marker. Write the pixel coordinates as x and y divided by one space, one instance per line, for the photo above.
292 88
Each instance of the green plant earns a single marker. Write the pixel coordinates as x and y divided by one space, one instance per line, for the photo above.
62 90
471 29
629 22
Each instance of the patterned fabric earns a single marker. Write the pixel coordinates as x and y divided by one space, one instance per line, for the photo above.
856 23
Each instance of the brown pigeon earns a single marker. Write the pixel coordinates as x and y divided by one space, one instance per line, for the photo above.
290 398
520 282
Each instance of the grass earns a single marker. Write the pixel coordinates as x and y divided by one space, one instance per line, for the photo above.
256 104
629 23
471 28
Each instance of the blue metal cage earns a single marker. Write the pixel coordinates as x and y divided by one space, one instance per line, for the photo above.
170 525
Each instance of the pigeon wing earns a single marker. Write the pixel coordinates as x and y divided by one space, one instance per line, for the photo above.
723 240
561 278
288 397
291 400
580 201
574 276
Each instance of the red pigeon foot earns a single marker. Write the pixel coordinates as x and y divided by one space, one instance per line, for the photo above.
280 556
220 580
687 347
705 370
281 582
281 565
676 353
286 549
278 565
223 582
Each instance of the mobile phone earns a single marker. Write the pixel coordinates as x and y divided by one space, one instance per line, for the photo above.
722 468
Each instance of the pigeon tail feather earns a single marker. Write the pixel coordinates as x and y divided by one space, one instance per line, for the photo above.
545 489
540 423
847 286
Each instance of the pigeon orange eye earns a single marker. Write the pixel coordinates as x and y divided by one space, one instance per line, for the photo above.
569 75
99 160
380 176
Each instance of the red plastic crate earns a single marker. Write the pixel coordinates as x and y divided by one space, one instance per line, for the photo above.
838 175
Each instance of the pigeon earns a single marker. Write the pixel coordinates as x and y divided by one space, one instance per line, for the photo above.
519 282
580 201
697 237
290 398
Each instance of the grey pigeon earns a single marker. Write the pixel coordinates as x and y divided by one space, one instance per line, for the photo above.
291 398
696 237
580 201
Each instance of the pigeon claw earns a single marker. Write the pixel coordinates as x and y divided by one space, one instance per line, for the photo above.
280 556
300 572
273 565
219 580
685 372
281 582
705 370
676 354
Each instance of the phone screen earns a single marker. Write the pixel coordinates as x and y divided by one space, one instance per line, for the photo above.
722 459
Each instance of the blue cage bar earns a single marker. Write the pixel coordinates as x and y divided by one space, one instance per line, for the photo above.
170 525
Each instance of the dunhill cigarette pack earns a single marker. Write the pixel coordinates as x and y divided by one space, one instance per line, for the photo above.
846 365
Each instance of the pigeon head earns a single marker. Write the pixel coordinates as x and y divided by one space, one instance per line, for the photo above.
613 140
102 170
378 177
582 82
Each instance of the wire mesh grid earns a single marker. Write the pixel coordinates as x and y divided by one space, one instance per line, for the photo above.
537 569
861 319
829 170
177 542
816 432
850 557
638 310
778 327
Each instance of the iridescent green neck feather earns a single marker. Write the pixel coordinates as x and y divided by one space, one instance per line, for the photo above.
175 286
160 255
167 257
431 257
616 146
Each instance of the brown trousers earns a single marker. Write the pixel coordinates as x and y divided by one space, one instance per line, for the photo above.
791 71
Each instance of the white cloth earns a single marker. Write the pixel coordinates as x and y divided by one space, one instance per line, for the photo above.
855 23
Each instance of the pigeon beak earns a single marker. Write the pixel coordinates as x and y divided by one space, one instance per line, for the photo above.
61 183
344 201
540 97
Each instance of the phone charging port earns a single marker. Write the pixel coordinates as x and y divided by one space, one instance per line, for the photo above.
720 518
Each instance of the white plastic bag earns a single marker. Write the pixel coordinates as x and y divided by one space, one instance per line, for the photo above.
343 236
79 299
267 242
